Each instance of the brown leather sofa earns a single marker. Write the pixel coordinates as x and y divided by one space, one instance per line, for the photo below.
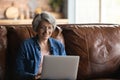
98 46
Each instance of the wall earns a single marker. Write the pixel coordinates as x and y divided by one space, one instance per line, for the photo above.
27 7
4 4
23 6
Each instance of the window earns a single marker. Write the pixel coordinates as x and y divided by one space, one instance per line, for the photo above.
110 11
83 11
94 11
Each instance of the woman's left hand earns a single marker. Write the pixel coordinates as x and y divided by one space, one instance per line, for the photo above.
38 76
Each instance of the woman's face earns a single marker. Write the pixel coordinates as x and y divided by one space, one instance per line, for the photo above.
45 30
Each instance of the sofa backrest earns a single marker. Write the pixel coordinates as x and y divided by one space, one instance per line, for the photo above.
98 46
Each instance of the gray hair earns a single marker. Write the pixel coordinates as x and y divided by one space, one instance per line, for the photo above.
43 16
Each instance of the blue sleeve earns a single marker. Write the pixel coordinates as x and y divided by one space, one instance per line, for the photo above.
20 72
62 49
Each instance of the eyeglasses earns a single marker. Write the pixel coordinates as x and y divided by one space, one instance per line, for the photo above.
45 28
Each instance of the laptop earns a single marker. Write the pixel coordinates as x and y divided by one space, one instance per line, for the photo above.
60 67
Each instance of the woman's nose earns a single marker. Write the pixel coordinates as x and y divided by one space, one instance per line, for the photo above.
46 30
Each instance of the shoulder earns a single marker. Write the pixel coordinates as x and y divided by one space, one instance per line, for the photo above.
29 41
28 44
55 42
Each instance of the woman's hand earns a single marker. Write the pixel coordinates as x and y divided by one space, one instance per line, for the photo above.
38 76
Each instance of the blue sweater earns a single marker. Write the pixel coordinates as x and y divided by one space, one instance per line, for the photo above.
29 57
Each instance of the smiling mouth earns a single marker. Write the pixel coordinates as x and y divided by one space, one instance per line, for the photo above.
45 35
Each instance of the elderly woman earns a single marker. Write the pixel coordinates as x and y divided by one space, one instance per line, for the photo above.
31 52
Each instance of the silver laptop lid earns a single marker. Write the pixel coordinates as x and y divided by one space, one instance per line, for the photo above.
60 67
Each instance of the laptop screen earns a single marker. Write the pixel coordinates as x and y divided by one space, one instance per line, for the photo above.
60 67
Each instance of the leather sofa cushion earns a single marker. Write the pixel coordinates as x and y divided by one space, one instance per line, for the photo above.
3 47
98 47
75 44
